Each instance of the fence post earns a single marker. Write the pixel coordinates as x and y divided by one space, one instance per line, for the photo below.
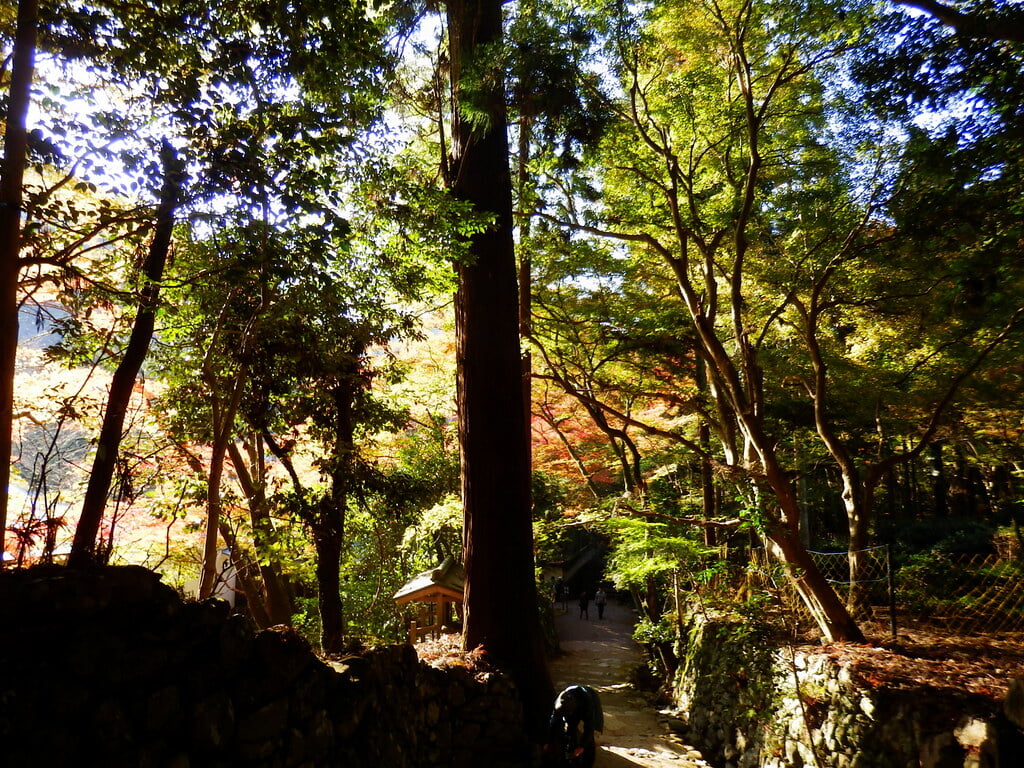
892 590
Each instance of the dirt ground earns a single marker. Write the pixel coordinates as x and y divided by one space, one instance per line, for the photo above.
603 654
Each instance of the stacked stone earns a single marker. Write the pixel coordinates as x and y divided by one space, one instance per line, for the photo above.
393 710
109 667
747 704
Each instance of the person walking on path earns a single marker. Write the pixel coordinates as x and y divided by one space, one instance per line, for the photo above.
584 605
600 600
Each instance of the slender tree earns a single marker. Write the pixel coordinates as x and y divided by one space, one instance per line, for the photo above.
252 477
83 548
12 175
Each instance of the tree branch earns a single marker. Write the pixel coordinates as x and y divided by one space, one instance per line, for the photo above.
698 521
970 24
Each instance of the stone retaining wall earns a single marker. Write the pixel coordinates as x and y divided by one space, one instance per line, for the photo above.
746 702
110 668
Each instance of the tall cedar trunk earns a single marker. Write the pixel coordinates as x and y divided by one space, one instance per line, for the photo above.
83 547
525 281
501 608
12 176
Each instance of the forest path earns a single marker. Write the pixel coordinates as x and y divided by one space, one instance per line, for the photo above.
602 653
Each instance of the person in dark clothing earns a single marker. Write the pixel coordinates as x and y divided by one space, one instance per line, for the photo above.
576 716
584 605
562 594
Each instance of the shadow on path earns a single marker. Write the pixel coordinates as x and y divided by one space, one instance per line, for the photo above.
603 654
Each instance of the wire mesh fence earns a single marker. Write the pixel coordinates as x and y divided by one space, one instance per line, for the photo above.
963 594
975 594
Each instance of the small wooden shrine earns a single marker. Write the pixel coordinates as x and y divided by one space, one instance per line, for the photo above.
436 596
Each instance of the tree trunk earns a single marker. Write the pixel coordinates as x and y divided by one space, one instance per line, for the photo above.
328 540
223 428
914 494
501 607
708 495
817 594
326 516
329 534
940 483
858 504
525 283
122 385
12 176
254 601
278 601
963 487
783 528
832 617
859 486
208 580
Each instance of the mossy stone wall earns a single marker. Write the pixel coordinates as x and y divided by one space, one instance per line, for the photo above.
748 702
109 667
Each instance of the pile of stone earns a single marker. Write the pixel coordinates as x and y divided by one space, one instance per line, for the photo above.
750 703
110 667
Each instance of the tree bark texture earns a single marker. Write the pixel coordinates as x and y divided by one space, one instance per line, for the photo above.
122 385
832 617
223 422
817 594
329 531
243 570
277 599
501 609
525 283
12 176
327 541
